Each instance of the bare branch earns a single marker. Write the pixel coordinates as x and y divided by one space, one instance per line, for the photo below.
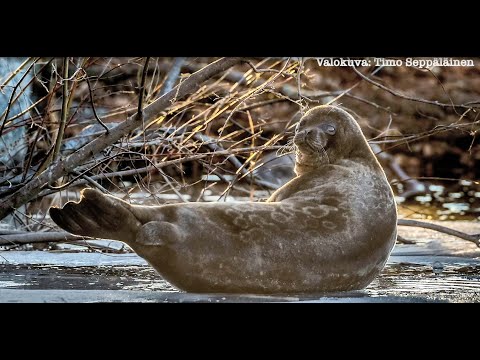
173 75
142 88
406 97
254 68
402 240
63 121
412 186
260 104
12 96
290 92
37 237
90 91
475 238
92 182
12 75
64 166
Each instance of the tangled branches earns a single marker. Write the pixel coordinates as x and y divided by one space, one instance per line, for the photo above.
187 126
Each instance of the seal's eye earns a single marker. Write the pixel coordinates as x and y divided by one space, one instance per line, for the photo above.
329 129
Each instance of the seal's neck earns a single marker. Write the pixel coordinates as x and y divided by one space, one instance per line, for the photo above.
363 153
307 163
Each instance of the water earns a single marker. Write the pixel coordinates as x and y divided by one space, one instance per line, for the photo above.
48 277
450 201
454 283
398 282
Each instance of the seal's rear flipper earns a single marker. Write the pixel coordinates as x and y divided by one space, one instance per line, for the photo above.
97 215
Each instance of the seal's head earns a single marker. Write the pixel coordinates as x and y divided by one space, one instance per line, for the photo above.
327 135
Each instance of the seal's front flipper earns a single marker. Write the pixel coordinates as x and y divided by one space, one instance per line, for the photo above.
97 215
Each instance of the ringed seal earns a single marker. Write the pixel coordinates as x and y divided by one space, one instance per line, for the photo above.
330 229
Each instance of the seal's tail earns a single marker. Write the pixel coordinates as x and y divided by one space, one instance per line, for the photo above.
98 215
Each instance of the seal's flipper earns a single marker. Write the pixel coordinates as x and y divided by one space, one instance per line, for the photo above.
97 215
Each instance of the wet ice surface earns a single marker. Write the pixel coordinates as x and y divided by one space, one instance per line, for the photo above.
113 279
437 268
397 283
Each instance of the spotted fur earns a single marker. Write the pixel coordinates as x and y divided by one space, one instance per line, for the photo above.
329 229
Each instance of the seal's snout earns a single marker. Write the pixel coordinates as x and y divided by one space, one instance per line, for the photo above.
302 135
300 139
310 137
299 136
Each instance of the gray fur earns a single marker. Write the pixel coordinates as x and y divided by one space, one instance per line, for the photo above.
331 228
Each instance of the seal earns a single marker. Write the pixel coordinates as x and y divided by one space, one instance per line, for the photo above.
329 229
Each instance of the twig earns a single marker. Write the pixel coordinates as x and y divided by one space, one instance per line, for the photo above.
11 101
190 157
291 93
402 240
66 165
371 103
63 119
169 183
141 99
31 151
90 91
260 104
299 82
406 97
93 245
30 107
217 149
11 232
22 238
26 110
251 93
434 178
254 68
213 145
410 138
91 182
88 169
286 92
413 187
37 237
153 168
173 75
214 170
345 92
142 88
12 75
475 238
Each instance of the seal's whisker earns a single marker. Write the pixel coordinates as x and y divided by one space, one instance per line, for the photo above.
286 149
324 152
316 145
